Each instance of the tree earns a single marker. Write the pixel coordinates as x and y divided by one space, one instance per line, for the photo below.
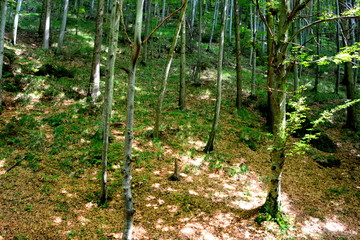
167 70
46 39
94 83
63 26
2 37
16 20
210 143
237 55
109 88
182 88
129 136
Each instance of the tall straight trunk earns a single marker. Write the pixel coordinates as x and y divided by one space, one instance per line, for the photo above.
197 81
238 52
16 20
231 10
63 26
253 52
2 37
94 82
92 8
210 143
129 135
146 30
163 10
348 69
46 39
182 89
166 72
214 22
42 19
338 44
193 15
109 89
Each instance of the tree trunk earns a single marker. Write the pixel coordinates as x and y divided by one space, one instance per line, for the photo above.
46 39
166 72
210 144
16 20
182 90
238 52
214 22
109 88
253 53
2 37
127 176
63 26
94 83
146 31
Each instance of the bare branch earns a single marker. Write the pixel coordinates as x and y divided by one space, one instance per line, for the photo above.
165 19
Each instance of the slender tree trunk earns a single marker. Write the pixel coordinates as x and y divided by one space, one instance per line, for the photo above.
238 52
94 83
46 39
197 81
109 88
42 19
146 30
16 20
210 144
166 72
129 136
253 55
214 22
2 37
338 44
182 91
163 10
63 27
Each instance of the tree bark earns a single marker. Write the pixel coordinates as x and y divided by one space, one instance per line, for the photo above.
238 52
63 26
166 72
46 39
109 89
16 21
94 82
2 38
210 143
182 89
127 176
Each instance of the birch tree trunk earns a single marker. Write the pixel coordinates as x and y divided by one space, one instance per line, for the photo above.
109 89
210 143
94 83
63 27
238 52
127 176
46 39
167 70
214 22
182 89
16 21
2 37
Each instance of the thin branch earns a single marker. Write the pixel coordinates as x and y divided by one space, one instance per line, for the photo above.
321 21
123 22
165 19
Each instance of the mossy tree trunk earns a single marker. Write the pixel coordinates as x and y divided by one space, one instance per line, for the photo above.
210 143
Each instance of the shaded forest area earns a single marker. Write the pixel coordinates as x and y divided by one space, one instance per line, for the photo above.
216 139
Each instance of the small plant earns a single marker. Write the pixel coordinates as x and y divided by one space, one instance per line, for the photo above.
28 208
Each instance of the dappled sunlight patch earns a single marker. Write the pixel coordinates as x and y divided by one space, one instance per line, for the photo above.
83 220
172 208
315 226
197 144
2 163
56 220
90 205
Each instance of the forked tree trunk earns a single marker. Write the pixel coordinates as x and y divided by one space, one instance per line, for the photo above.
94 83
238 52
2 37
210 143
16 21
63 27
167 70
129 136
109 89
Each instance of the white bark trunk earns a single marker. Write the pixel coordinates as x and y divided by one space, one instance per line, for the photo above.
46 39
63 27
16 20
2 36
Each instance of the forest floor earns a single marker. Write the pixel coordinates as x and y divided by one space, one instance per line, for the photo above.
50 163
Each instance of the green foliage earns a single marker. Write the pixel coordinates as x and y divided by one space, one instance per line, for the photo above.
252 137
